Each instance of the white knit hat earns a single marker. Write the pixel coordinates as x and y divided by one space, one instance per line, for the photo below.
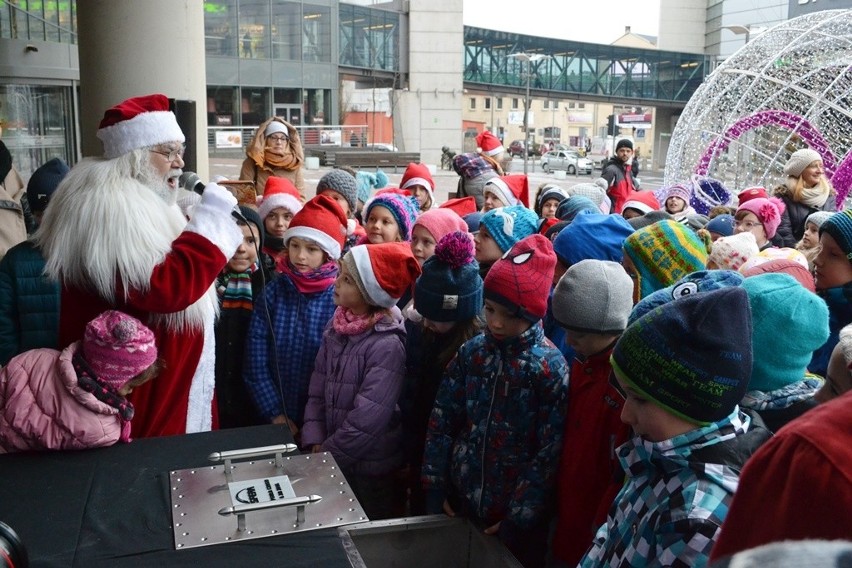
730 253
800 160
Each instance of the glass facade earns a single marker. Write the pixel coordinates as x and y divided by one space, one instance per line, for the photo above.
369 38
39 20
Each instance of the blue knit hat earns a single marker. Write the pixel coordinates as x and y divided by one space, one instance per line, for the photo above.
450 288
508 225
473 220
701 281
569 208
404 210
367 182
592 236
676 356
721 225
44 182
790 323
839 226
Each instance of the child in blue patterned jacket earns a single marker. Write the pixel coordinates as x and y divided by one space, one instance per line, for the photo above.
495 433
682 369
287 323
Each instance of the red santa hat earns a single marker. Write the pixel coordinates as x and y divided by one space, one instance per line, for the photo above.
322 221
382 272
643 201
512 189
489 144
279 192
418 174
461 205
136 123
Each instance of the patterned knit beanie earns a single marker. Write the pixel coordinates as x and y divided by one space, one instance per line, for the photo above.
701 281
118 347
569 208
732 252
663 253
839 226
403 209
521 279
670 356
450 288
592 191
681 190
799 160
508 225
343 183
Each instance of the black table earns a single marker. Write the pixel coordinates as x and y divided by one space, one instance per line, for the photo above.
111 506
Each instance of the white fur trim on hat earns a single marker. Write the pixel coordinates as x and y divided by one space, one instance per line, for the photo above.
499 188
638 205
275 200
325 242
143 130
419 181
376 293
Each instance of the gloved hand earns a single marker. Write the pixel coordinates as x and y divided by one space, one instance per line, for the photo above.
218 198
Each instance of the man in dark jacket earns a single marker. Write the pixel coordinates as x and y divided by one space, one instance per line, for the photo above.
619 175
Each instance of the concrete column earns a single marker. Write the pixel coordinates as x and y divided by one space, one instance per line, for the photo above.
129 48
429 114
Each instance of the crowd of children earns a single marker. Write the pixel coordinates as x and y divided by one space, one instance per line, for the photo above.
585 379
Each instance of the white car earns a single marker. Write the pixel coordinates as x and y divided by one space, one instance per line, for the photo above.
567 160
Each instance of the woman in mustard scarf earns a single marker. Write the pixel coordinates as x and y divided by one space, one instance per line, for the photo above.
276 151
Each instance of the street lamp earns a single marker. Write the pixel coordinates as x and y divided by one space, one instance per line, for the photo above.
529 58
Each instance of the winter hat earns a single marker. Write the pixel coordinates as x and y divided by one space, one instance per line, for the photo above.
118 347
752 193
549 191
418 174
488 144
623 143
721 225
450 288
461 205
343 183
279 192
732 252
839 226
382 272
593 296
322 221
250 215
138 122
799 160
367 182
554 231
642 201
593 191
663 253
44 182
708 193
782 266
669 355
508 225
569 208
649 219
512 189
768 211
440 222
846 344
404 211
696 221
700 281
817 218
473 220
789 324
677 190
592 236
276 127
521 279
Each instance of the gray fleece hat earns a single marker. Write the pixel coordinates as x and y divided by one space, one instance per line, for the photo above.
594 296
343 183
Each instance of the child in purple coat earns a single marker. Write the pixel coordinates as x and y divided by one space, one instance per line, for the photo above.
352 408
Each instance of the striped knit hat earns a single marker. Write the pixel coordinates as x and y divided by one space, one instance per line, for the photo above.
404 210
663 253
839 226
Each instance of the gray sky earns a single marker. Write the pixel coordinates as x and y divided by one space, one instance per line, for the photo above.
579 20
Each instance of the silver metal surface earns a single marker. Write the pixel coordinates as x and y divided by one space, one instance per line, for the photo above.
199 494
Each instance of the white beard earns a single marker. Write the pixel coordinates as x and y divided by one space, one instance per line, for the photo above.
165 187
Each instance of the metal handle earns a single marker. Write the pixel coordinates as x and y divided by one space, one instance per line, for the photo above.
241 510
251 452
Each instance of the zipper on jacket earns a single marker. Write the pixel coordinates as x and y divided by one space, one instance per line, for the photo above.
485 437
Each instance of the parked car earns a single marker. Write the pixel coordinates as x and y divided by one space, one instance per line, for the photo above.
382 147
567 160
516 149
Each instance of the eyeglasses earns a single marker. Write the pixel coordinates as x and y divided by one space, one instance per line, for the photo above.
274 138
172 154
747 225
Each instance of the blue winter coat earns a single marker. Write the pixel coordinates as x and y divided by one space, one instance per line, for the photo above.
352 408
298 321
495 433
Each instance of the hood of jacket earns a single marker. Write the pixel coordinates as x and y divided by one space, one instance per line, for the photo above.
785 396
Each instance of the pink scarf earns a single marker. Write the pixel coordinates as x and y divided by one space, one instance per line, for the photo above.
309 282
347 323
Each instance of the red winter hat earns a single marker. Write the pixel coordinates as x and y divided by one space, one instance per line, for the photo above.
752 193
643 201
512 189
279 192
117 347
521 279
418 174
461 205
489 144
382 272
136 123
321 220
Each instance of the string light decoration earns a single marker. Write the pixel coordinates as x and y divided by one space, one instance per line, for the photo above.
788 88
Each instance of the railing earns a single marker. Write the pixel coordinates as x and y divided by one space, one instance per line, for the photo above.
223 138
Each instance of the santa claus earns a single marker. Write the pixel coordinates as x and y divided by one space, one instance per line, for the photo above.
115 239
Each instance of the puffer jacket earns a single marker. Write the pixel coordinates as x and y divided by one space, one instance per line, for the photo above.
13 228
780 406
792 227
352 408
43 408
677 494
495 433
29 303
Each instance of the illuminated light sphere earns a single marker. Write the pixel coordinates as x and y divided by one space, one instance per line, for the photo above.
788 88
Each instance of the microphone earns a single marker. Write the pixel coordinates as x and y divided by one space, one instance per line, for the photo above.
191 182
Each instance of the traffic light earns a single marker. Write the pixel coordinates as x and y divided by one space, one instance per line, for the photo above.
611 128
